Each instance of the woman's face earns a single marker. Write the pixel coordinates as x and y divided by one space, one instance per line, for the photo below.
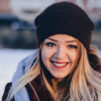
60 54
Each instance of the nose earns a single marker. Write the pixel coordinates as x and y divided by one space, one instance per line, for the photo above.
60 53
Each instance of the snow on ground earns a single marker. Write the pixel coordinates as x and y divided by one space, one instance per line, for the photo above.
9 60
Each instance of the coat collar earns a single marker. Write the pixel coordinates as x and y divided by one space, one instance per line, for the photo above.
37 90
23 68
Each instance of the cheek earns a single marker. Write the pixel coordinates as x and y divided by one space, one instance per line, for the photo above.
45 55
74 56
74 59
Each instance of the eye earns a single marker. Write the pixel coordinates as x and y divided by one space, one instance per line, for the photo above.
50 44
72 46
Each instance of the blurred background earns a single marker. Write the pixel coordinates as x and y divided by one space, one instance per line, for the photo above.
17 30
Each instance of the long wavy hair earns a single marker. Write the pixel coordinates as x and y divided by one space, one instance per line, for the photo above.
83 84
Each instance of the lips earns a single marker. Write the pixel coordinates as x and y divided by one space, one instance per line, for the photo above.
59 65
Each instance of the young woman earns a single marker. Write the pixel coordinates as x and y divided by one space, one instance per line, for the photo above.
64 67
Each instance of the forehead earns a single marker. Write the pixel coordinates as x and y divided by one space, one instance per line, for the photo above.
62 38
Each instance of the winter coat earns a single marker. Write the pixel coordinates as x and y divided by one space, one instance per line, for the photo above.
36 86
33 91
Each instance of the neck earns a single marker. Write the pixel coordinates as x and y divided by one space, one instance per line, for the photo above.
55 83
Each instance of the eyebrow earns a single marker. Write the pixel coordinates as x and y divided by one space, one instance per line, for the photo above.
65 41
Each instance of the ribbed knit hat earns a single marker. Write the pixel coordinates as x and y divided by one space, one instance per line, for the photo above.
64 18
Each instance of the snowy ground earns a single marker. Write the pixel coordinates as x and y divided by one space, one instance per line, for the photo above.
9 60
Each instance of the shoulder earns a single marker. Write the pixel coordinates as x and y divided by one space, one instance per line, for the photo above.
29 59
24 65
6 91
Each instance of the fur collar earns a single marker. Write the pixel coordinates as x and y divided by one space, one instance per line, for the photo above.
38 91
22 68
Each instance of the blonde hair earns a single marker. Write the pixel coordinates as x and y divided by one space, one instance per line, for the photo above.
85 83
20 83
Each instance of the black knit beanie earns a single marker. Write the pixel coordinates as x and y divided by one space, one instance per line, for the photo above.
64 18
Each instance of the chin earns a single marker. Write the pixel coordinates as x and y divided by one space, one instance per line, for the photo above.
59 76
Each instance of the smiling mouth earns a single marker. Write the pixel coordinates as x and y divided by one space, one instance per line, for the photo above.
59 65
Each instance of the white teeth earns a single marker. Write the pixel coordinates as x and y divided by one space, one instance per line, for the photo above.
59 65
